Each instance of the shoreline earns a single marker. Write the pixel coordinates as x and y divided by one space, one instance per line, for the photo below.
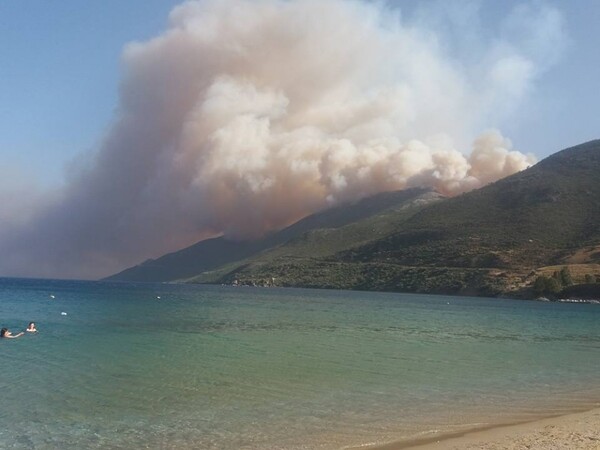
576 430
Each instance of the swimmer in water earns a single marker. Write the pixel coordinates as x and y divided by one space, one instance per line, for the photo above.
31 328
5 333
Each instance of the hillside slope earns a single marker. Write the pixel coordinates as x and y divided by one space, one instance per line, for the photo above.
213 253
536 217
485 242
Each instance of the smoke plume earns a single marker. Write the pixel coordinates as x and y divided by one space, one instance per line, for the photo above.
244 116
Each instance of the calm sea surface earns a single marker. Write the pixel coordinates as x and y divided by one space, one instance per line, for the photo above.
241 368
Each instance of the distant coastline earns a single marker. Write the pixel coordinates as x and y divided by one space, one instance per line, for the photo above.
589 301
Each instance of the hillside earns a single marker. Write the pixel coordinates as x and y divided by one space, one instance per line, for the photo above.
485 242
492 241
213 253
540 216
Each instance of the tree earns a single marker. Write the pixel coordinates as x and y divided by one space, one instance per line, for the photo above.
545 285
553 286
539 286
565 276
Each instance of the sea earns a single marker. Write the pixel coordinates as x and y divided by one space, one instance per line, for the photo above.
166 366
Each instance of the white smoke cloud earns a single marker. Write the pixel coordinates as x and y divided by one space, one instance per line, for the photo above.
244 116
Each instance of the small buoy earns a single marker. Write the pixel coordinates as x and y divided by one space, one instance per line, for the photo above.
51 296
63 313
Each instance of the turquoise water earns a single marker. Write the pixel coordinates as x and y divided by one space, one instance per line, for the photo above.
213 367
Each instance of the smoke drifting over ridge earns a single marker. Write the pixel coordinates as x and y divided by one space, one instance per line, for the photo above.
245 116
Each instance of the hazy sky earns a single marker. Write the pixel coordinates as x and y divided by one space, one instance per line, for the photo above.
239 116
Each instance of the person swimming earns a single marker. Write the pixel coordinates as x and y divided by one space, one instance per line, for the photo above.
31 328
5 333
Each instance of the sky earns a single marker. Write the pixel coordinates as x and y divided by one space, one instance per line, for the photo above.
71 79
59 75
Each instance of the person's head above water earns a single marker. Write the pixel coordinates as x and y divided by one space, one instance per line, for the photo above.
3 332
31 327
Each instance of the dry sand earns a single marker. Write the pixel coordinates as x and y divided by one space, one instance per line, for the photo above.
571 432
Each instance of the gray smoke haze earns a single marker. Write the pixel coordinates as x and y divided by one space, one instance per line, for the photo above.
245 116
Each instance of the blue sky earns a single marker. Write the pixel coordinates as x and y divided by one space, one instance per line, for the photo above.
60 69
59 74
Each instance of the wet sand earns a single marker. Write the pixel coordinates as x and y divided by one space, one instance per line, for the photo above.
579 431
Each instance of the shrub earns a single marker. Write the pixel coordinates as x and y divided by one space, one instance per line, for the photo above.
553 286
565 277
545 285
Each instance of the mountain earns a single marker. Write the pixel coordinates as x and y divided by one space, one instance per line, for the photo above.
213 253
486 242
542 215
492 241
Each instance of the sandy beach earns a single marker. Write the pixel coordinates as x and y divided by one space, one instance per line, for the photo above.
569 432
